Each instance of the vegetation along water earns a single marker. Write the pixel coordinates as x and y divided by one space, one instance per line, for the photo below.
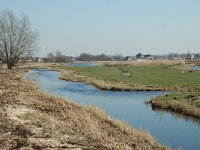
131 104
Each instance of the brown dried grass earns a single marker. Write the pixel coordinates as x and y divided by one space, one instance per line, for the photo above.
144 62
181 107
47 122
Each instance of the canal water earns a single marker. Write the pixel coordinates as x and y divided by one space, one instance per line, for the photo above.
172 130
83 64
196 67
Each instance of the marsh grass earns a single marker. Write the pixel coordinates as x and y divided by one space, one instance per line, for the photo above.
180 103
47 122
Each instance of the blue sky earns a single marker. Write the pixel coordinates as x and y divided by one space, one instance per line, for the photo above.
112 26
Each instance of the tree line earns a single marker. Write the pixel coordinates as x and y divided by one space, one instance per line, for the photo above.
58 57
90 57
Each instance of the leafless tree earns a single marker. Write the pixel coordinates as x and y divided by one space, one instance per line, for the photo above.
17 39
50 57
58 53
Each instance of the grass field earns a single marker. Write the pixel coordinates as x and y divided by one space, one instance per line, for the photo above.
154 75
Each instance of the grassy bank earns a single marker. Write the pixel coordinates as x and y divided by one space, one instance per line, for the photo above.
31 119
145 77
131 77
187 103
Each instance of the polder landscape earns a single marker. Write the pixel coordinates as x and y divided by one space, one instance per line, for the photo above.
32 118
93 100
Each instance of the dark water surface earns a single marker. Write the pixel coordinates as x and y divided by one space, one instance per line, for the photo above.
172 130
83 65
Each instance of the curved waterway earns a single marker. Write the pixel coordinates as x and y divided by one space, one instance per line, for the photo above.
171 130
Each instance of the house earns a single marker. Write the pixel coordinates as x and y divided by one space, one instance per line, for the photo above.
189 56
196 57
37 59
148 56
139 56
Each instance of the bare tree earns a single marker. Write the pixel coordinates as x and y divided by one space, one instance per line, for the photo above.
50 57
17 39
58 53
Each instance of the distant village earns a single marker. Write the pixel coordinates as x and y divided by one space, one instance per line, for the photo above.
60 58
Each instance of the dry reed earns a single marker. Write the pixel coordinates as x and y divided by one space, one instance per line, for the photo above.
47 122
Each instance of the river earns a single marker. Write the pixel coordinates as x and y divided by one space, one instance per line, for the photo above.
172 130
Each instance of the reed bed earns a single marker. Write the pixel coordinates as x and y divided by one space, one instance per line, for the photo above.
142 62
31 119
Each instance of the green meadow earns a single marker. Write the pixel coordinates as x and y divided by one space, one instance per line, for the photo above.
155 75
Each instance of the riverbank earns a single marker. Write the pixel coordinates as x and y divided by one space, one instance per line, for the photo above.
36 120
133 78
187 103
145 78
105 85
68 74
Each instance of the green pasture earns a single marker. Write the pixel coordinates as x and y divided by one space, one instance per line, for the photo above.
158 75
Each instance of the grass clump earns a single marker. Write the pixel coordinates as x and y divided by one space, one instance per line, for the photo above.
36 118
183 103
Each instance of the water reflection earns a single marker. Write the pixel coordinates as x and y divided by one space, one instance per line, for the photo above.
187 118
83 64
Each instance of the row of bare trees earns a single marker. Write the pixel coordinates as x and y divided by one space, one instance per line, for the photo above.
90 57
58 57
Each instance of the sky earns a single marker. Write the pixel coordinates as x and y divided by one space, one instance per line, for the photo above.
124 27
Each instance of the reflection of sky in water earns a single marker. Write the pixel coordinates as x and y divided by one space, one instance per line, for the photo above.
84 65
127 106
196 68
